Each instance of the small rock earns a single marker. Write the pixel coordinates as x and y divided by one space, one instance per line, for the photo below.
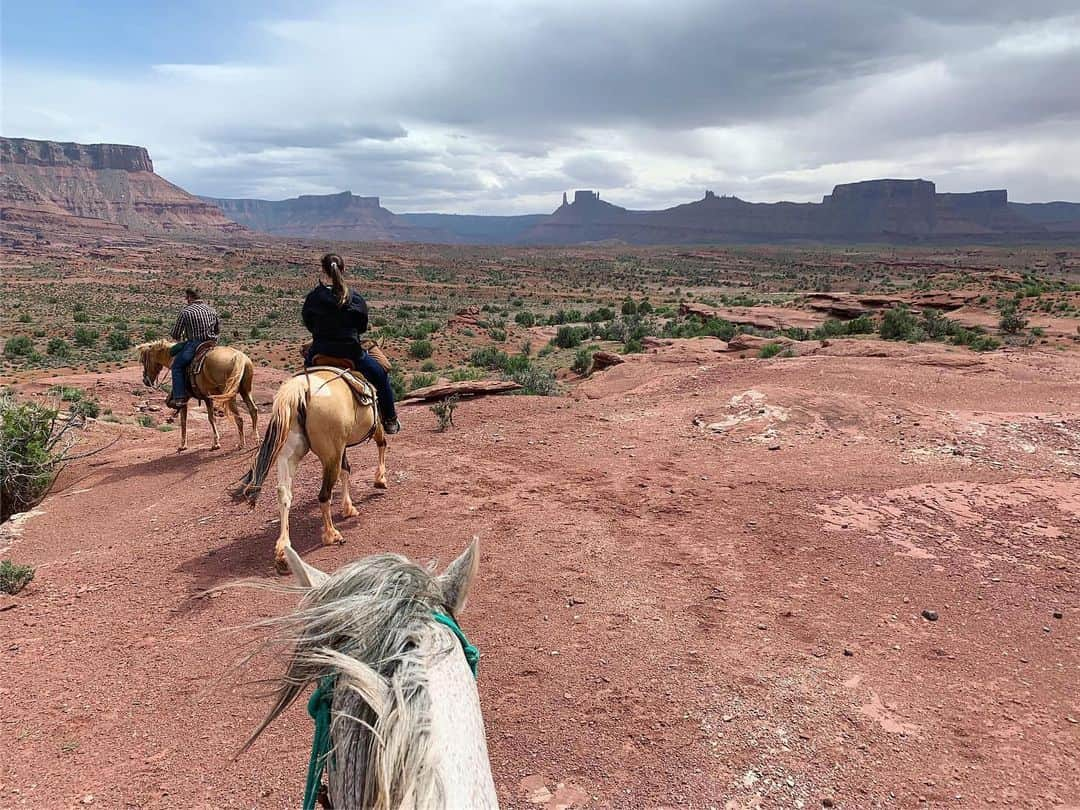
774 446
1058 614
88 798
930 615
848 652
826 802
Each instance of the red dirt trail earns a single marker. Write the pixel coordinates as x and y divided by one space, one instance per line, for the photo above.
702 585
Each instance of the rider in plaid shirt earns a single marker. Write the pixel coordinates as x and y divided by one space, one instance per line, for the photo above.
196 323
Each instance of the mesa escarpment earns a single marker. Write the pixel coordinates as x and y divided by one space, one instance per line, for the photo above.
103 188
888 210
334 217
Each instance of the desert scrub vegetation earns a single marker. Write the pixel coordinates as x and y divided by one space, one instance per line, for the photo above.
444 413
18 347
770 350
421 349
14 577
34 445
517 367
902 324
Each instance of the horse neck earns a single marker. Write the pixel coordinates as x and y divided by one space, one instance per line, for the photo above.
164 355
454 728
457 730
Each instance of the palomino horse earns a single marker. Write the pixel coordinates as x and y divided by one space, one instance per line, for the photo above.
406 731
317 410
226 373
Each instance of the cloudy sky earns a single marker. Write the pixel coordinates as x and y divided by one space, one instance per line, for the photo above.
498 107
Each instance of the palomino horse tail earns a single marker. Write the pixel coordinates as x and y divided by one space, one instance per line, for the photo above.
231 387
289 408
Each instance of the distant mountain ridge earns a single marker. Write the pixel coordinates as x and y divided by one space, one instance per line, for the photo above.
95 187
886 210
48 186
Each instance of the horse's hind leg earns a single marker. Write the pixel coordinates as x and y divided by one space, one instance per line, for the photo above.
231 407
347 508
253 410
213 425
330 475
380 471
295 448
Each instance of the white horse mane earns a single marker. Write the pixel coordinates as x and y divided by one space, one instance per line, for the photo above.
370 625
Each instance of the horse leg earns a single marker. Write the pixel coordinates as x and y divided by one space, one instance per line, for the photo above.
347 508
331 473
183 430
254 411
295 448
213 425
380 471
231 407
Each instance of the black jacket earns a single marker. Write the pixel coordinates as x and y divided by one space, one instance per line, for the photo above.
333 324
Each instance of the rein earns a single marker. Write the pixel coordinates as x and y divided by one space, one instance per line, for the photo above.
321 703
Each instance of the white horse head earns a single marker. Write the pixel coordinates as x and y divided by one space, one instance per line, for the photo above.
406 728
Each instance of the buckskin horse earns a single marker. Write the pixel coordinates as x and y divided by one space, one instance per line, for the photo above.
397 715
325 410
225 373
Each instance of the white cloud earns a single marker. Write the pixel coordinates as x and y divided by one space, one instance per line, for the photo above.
498 107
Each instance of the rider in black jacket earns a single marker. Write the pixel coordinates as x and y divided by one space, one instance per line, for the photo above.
336 317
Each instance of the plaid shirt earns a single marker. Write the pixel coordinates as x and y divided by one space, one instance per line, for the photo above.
196 321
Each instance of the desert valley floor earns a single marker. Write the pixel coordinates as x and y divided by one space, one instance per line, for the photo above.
841 575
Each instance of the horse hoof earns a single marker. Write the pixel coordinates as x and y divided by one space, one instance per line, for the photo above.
333 538
180 449
351 512
280 566
380 485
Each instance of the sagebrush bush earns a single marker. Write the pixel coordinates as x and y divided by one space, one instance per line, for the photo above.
13 578
84 336
770 350
18 346
30 456
421 349
900 324
582 361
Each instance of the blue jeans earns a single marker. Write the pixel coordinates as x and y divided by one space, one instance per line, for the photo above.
181 360
377 376
366 365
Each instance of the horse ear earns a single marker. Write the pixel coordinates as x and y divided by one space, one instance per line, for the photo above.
458 577
307 575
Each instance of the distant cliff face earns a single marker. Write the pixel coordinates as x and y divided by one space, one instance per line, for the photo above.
48 185
97 156
333 217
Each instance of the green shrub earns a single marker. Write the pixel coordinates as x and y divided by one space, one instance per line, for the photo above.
19 346
58 347
533 380
525 318
86 408
30 456
428 365
421 349
900 324
629 307
118 340
488 357
582 361
465 373
24 317
80 317
498 335
568 337
13 578
145 420
397 384
770 350
85 336
421 381
1012 320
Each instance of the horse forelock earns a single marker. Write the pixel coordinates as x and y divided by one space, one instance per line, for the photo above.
377 613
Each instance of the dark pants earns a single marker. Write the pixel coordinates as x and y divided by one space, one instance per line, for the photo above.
181 360
366 365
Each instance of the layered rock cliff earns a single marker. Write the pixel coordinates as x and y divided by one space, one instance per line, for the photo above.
104 187
332 217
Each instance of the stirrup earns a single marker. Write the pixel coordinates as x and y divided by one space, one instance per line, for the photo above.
391 427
